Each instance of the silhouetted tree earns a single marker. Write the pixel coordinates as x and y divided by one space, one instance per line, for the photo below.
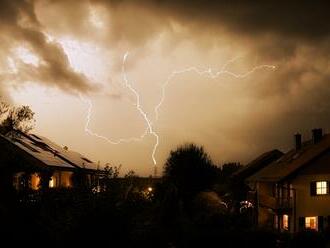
225 186
190 169
4 107
15 118
228 169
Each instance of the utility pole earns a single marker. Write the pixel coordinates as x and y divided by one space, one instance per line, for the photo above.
155 172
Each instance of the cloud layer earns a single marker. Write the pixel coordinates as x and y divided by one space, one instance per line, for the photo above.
234 119
20 27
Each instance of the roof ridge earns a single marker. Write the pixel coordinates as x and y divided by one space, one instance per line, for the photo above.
292 161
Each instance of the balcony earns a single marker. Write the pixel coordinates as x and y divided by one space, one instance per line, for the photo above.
284 205
281 205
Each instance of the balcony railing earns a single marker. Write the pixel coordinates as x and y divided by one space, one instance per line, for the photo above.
285 203
278 204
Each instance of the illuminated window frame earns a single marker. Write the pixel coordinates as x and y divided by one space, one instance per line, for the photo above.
321 187
311 223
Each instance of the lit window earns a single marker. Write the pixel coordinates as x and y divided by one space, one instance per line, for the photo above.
322 188
35 181
311 223
52 182
286 222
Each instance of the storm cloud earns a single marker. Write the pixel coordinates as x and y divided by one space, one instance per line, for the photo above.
20 27
303 19
234 119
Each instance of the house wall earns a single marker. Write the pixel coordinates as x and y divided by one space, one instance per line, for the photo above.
61 179
265 196
265 188
16 179
66 179
306 204
270 215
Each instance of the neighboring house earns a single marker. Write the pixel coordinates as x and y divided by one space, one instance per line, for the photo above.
31 161
241 190
257 164
292 193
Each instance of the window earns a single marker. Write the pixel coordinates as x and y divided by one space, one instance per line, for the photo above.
52 182
35 181
311 223
321 188
285 222
65 179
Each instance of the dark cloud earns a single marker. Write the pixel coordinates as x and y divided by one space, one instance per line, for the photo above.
20 26
276 27
68 17
304 19
271 30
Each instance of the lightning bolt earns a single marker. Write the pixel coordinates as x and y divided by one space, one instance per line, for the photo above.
90 132
149 124
137 104
141 111
209 74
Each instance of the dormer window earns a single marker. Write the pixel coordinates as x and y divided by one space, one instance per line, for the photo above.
319 188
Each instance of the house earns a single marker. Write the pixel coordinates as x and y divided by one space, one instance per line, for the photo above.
257 164
292 193
29 161
241 190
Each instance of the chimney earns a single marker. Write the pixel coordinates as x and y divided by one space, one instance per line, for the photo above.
297 138
317 135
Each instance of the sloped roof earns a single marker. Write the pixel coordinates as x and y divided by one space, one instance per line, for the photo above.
292 161
257 164
71 156
49 152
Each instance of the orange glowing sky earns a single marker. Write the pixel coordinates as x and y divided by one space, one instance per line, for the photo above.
54 54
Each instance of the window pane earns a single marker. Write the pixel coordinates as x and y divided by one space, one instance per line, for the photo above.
311 223
52 182
285 222
321 187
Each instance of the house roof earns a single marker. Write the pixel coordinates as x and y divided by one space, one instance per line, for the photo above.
48 152
257 164
292 161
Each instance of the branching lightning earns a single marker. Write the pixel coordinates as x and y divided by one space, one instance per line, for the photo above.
137 104
149 124
208 73
138 107
114 142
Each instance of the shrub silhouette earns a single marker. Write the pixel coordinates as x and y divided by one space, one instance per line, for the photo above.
190 169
